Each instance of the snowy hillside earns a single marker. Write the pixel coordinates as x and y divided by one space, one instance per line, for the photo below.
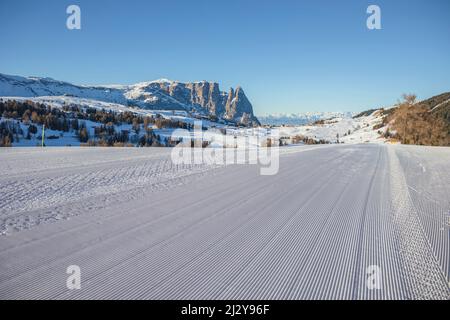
140 94
35 87
109 124
61 101
365 129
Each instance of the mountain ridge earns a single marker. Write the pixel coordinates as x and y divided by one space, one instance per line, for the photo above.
300 118
162 94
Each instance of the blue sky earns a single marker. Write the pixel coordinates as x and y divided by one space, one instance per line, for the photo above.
288 55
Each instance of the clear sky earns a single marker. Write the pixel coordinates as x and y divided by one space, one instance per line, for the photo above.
288 55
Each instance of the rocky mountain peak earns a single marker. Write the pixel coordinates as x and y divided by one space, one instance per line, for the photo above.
162 94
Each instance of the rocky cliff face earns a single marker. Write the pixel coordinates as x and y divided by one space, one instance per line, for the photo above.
233 105
204 97
239 106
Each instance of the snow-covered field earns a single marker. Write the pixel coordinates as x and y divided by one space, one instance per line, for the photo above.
345 129
140 227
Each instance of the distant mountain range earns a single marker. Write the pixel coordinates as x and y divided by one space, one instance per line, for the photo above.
203 97
293 119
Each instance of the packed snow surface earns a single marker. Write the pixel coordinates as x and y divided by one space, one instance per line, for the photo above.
140 227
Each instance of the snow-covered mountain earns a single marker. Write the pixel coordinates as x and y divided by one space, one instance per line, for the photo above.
204 97
295 119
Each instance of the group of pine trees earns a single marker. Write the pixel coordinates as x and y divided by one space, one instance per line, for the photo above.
8 132
308 140
71 118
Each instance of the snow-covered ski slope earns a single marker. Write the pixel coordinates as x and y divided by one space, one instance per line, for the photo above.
140 227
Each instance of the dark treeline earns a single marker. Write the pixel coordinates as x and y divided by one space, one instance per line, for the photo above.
307 140
9 132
